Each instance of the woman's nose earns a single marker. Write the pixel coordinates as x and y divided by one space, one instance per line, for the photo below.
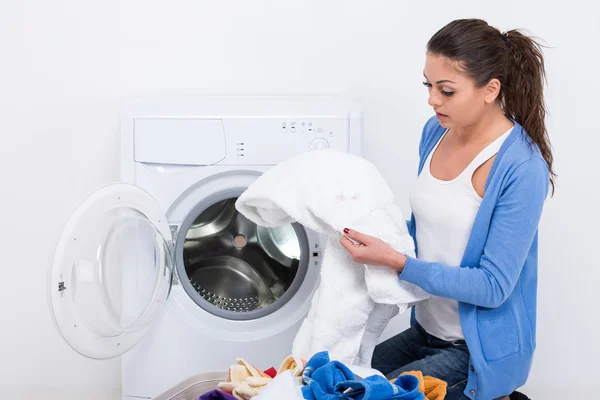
434 99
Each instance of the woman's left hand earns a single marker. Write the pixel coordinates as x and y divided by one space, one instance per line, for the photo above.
371 250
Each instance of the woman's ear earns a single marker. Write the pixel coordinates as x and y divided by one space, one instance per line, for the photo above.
491 91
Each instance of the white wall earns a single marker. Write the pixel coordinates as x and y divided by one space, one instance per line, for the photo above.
65 64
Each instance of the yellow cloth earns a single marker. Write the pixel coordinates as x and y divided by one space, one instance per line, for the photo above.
245 381
250 387
295 365
432 388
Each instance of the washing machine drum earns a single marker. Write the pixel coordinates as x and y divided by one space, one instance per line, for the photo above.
236 269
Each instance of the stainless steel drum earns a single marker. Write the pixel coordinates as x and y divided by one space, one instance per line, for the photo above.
279 243
213 220
231 284
237 269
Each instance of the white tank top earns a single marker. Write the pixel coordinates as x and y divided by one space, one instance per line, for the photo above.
444 213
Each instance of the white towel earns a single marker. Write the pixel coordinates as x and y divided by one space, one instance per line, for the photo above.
283 386
327 191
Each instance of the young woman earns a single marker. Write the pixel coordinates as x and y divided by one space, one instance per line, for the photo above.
484 173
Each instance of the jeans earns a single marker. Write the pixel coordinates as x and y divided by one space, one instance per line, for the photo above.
416 350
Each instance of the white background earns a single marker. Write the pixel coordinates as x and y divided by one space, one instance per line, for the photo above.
65 65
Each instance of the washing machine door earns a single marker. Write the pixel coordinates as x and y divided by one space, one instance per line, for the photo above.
112 271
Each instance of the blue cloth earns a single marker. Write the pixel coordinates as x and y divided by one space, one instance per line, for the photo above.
329 380
216 395
321 376
376 387
497 285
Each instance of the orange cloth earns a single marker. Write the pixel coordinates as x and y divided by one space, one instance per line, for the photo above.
433 388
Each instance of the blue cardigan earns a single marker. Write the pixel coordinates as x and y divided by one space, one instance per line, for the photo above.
496 286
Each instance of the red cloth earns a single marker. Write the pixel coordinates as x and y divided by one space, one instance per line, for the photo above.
272 372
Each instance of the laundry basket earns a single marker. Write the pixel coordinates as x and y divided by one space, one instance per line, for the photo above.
193 387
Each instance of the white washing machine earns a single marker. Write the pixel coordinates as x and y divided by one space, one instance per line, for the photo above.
162 270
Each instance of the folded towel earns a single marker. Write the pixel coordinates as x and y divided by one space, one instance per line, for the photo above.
326 191
332 380
216 395
243 380
433 388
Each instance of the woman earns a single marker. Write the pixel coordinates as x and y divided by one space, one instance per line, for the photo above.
484 174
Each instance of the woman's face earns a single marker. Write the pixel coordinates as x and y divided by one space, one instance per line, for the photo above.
453 95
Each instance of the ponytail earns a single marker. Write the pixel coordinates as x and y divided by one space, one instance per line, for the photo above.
515 60
522 93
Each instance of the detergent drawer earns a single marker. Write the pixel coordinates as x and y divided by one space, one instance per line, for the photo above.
182 141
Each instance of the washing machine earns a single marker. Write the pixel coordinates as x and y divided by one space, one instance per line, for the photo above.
162 270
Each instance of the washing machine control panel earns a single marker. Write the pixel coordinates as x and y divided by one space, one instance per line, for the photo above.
273 140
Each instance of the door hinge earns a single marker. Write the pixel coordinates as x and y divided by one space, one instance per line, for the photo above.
174 232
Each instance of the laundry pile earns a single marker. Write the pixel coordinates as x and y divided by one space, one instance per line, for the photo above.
322 379
245 381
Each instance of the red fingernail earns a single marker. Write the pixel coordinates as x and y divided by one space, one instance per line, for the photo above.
346 230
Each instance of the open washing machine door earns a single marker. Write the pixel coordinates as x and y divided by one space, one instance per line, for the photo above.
112 271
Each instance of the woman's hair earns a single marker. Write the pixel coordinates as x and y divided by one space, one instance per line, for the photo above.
513 58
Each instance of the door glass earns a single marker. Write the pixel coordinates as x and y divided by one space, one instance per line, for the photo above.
120 273
112 271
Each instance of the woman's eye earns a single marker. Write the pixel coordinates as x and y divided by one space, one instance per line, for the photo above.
446 93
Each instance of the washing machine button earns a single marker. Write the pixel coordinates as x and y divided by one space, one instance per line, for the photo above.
319 144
